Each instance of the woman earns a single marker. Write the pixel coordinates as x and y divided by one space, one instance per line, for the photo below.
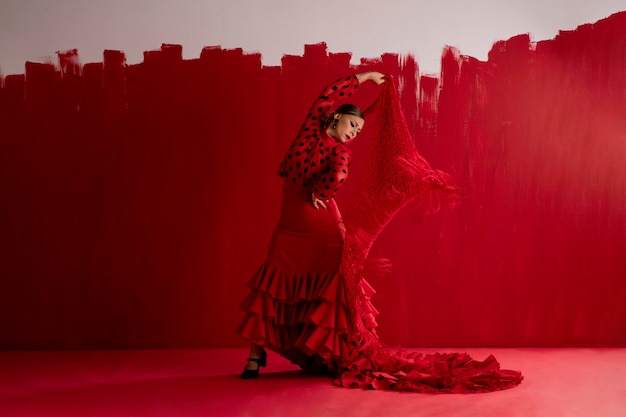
309 302
296 306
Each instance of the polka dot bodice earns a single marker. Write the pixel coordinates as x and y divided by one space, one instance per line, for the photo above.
315 160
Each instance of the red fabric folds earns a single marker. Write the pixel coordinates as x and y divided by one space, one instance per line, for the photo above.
394 175
435 373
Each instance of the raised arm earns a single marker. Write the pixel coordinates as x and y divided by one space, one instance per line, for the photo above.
337 166
343 87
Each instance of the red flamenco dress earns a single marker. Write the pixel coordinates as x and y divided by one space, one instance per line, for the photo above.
309 301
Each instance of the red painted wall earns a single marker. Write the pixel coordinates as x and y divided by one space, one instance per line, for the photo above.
138 200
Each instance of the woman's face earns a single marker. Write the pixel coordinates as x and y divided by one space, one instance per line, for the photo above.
347 127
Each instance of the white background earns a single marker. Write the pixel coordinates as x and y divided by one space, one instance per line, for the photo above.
33 30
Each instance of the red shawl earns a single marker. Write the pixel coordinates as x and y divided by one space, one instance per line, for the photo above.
394 175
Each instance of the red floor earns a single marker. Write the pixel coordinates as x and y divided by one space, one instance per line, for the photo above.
189 383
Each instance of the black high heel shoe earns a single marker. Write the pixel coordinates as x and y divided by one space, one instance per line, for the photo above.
253 373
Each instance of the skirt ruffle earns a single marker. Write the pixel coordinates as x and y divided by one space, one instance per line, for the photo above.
433 373
302 317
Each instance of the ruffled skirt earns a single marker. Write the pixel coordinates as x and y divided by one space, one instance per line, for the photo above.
296 304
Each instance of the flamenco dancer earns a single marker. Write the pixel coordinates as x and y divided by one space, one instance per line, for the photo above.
309 302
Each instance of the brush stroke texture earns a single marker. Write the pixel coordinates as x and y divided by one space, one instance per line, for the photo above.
137 200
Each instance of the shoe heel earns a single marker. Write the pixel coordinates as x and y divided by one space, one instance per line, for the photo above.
253 373
249 373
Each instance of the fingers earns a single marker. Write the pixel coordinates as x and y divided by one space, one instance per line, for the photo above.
373 76
379 78
317 203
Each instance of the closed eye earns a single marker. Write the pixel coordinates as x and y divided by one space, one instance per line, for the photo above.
355 125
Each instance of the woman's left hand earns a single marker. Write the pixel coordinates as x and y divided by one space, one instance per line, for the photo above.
317 203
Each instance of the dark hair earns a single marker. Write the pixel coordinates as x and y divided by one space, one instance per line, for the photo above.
344 109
